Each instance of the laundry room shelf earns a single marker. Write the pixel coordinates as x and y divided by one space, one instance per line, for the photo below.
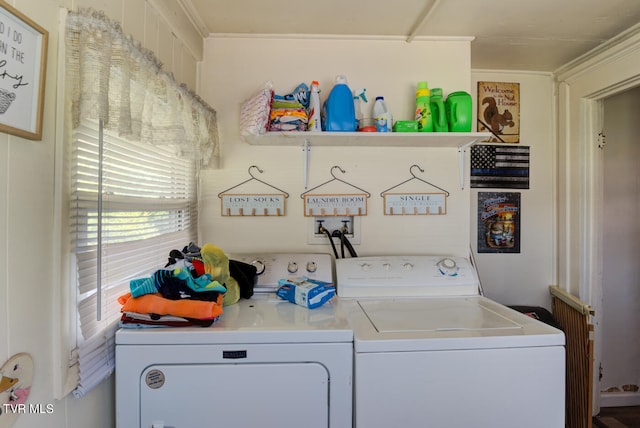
458 140
369 139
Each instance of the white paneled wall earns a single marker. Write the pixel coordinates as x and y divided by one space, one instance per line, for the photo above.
28 288
229 71
233 68
523 279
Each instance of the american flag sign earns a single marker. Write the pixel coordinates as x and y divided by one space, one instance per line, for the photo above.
501 167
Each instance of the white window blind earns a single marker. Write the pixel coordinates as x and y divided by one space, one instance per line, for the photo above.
131 203
132 138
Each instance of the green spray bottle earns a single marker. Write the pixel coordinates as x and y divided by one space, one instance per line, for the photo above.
423 108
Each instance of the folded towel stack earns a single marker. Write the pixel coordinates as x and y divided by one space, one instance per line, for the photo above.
288 115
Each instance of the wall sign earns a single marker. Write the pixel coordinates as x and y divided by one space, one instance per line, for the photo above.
499 111
335 205
23 60
499 222
253 205
415 204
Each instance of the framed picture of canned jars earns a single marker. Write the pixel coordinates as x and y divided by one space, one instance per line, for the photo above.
498 222
499 111
23 60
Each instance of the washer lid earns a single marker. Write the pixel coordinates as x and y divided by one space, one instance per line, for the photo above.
414 324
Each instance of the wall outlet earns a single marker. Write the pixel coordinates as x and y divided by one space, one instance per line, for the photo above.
349 223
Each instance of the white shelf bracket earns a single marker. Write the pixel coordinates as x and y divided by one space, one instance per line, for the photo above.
306 150
462 149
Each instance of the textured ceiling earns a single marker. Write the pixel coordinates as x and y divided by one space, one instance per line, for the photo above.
540 35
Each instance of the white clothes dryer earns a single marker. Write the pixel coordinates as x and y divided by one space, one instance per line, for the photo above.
431 351
265 362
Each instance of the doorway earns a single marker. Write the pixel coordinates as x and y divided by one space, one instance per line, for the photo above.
620 316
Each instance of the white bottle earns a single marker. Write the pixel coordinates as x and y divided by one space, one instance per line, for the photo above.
382 116
314 123
361 105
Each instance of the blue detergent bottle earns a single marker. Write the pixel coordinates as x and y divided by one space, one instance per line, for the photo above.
338 111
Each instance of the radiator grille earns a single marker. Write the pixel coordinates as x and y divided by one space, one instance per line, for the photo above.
573 316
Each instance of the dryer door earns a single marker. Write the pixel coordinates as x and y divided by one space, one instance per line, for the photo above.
243 395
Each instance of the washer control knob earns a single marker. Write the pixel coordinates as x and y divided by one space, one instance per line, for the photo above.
407 266
292 267
312 266
386 266
365 266
260 266
448 267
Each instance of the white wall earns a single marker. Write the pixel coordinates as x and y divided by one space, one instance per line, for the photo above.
28 287
524 278
621 246
235 67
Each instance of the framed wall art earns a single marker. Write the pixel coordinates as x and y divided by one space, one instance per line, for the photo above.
23 61
499 216
499 111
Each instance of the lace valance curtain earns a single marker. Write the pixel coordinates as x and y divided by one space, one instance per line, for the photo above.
111 77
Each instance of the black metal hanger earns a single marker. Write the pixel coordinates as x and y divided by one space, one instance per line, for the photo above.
336 179
253 178
412 178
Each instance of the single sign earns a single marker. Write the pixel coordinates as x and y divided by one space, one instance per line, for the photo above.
415 203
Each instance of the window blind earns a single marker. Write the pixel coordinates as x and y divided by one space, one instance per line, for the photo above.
131 203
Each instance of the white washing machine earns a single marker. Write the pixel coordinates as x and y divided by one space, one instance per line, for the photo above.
431 351
266 362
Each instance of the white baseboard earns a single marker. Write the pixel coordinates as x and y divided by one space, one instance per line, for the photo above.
619 399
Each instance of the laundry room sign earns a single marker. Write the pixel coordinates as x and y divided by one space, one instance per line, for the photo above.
335 205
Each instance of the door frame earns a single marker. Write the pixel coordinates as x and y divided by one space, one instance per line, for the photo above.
582 86
628 398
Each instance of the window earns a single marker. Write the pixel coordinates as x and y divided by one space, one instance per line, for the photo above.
131 203
127 161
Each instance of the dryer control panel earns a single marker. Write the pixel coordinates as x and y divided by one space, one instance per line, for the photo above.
272 267
406 276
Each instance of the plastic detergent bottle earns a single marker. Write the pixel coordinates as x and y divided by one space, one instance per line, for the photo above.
314 108
458 108
423 108
382 115
438 111
338 112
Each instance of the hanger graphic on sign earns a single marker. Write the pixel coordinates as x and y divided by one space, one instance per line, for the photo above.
336 179
253 178
414 177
